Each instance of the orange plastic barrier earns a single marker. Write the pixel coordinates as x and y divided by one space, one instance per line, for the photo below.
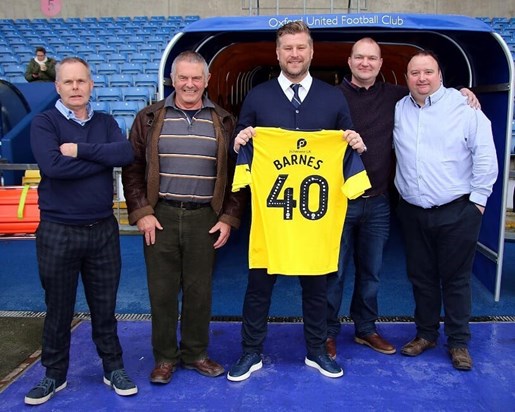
18 214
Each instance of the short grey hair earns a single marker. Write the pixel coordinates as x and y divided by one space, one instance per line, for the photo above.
191 57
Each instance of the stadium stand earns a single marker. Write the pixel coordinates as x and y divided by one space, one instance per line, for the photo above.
124 52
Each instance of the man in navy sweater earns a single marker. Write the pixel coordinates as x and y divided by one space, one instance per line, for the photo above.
313 105
76 150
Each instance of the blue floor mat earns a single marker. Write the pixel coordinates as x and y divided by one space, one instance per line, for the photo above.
372 381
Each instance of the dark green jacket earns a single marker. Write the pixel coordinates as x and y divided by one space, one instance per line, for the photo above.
33 68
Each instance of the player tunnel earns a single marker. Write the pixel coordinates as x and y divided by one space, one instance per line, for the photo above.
240 52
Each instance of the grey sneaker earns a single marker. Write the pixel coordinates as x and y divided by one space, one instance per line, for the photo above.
44 390
120 382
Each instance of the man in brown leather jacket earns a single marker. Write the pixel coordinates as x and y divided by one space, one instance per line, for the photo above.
178 194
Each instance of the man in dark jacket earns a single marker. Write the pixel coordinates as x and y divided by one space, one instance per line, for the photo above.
41 67
178 194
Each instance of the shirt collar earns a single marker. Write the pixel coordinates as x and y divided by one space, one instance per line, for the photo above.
70 114
170 102
348 81
433 98
286 84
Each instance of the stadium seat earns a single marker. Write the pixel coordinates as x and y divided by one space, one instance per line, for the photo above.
122 124
100 80
104 49
139 57
123 19
6 50
100 106
151 67
11 70
145 79
112 94
130 47
84 50
25 57
94 58
107 68
120 80
148 48
130 108
115 41
117 58
9 59
128 120
131 68
142 93
16 79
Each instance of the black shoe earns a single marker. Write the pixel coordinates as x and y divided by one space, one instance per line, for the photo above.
44 390
120 382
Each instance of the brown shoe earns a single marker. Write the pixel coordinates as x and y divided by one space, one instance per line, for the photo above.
330 347
162 372
206 367
417 346
461 359
377 343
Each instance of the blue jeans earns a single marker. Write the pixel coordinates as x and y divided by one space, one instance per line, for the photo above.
367 225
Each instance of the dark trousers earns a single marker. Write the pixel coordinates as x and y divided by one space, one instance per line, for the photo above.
367 224
440 248
63 252
257 305
181 259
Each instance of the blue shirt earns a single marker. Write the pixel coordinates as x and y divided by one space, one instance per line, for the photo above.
444 150
70 114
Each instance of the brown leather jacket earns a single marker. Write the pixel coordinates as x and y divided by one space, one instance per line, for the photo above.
141 178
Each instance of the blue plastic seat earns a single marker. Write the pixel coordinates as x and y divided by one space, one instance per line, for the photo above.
122 124
121 80
9 59
145 94
126 108
94 58
139 57
152 67
111 94
17 79
117 58
100 80
12 70
125 120
145 79
127 48
7 50
101 106
107 68
131 68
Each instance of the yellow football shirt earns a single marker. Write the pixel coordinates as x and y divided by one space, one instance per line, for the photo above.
300 182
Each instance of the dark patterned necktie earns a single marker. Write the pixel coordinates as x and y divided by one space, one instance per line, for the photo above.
296 99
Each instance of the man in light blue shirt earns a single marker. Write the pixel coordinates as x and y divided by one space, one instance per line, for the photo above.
446 167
